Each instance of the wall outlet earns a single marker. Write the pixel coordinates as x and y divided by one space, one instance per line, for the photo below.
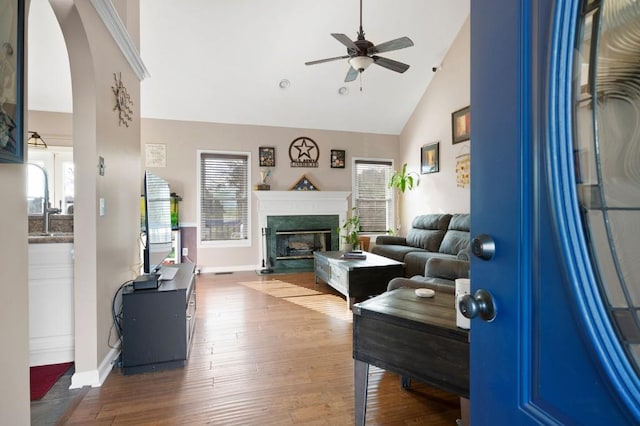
185 251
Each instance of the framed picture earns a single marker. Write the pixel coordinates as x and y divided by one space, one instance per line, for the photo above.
429 155
337 158
267 156
11 84
461 125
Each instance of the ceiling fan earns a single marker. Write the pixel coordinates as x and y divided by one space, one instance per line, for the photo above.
362 53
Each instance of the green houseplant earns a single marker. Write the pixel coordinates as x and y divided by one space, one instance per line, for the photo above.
402 181
349 230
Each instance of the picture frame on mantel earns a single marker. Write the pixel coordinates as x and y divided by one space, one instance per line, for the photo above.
461 125
12 133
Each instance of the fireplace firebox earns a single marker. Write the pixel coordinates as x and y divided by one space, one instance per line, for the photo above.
293 239
300 244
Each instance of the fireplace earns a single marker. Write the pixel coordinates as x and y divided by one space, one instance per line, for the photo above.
293 239
298 223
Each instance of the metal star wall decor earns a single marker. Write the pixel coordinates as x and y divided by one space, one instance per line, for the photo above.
304 152
123 101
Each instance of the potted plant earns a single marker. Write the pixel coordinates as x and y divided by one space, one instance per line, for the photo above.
402 181
349 231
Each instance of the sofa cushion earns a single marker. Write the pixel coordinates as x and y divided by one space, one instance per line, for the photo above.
464 254
448 269
391 239
427 231
457 236
395 252
416 261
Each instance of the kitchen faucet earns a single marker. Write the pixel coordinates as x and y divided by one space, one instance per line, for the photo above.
46 210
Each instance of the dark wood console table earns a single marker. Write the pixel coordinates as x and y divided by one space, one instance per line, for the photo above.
157 324
412 336
356 278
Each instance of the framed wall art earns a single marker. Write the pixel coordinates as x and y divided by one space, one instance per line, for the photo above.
337 158
461 125
11 81
267 155
429 155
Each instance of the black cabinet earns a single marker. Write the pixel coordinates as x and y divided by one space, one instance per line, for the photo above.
157 324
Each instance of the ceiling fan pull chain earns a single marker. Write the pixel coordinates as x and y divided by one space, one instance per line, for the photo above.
361 80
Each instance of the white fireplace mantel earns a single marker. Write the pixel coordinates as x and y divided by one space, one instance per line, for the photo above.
300 203
279 203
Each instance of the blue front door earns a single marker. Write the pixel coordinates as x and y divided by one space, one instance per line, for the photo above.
545 112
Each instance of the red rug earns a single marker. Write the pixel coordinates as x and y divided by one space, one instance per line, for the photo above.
43 377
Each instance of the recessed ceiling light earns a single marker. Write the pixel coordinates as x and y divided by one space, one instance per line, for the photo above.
343 90
284 84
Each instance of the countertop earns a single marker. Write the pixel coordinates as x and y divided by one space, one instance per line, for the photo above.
51 238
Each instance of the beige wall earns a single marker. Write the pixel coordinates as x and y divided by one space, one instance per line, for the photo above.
14 303
431 122
184 139
105 245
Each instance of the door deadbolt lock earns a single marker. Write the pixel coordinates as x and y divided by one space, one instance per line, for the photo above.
483 247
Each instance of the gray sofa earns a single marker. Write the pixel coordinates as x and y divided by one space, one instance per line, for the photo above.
440 275
431 237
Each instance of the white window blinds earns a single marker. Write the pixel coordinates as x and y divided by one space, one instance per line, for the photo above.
373 197
224 192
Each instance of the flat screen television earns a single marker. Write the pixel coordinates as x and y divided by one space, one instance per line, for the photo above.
157 222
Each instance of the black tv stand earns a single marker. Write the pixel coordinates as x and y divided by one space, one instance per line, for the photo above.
157 324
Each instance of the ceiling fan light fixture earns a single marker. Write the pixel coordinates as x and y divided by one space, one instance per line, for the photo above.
360 63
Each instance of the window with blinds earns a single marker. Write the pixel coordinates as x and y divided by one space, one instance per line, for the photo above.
372 195
224 196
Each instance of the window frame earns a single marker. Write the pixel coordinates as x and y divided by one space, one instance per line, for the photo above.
222 243
391 213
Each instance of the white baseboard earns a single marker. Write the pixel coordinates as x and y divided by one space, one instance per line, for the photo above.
51 350
226 269
95 378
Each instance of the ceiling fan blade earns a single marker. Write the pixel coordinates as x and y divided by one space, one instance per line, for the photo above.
351 46
390 64
352 74
320 61
399 43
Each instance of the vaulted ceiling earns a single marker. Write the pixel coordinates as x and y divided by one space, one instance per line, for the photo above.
222 61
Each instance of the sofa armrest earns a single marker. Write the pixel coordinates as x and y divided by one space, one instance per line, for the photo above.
391 239
448 269
436 284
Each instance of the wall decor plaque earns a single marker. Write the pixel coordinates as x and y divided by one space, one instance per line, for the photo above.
304 152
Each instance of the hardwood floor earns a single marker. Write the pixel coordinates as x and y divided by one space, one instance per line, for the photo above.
267 350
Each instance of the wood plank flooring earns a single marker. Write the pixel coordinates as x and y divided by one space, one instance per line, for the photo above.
267 350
